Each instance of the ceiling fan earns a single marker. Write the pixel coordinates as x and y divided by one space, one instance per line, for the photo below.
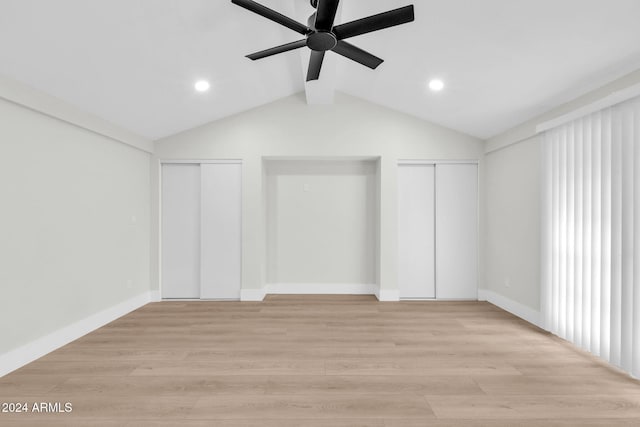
321 35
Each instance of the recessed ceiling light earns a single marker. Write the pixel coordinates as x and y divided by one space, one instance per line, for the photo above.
436 85
202 86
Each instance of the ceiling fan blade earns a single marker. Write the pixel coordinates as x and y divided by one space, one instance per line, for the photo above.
272 15
325 14
315 64
278 49
374 22
356 54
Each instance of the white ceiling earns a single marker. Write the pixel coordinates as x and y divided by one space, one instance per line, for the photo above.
134 62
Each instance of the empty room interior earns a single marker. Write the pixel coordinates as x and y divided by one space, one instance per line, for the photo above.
320 213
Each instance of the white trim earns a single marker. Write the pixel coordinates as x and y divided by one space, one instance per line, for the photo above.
157 236
154 296
201 161
515 142
522 311
387 294
608 101
27 353
321 288
521 133
437 299
436 162
321 158
252 294
43 103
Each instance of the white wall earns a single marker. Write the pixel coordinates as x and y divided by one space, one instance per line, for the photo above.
290 127
74 224
321 222
511 205
512 222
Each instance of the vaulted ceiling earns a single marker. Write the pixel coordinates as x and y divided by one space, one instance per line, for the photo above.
134 62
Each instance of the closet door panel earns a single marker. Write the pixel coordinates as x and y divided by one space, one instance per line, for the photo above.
457 231
416 239
221 235
180 231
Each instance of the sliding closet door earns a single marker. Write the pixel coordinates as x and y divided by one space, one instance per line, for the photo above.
457 231
416 216
221 214
181 231
201 230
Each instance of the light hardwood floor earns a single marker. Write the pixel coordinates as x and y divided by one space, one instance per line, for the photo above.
322 361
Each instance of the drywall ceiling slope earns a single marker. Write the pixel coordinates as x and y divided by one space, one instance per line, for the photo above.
134 62
298 127
503 61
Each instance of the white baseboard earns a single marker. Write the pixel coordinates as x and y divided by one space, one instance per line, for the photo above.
321 288
522 311
387 294
155 295
16 358
252 294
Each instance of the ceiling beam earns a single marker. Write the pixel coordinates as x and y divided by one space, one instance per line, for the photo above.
321 91
28 97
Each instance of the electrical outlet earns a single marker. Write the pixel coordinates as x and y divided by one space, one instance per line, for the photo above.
507 282
305 187
129 283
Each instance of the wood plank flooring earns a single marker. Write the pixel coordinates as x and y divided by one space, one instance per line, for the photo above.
322 361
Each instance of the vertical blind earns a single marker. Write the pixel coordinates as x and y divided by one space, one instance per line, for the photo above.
591 233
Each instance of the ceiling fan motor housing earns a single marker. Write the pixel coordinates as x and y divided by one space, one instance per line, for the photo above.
321 41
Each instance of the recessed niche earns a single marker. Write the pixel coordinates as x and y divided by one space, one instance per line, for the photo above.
321 225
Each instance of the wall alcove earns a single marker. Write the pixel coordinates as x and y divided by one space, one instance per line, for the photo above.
321 225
